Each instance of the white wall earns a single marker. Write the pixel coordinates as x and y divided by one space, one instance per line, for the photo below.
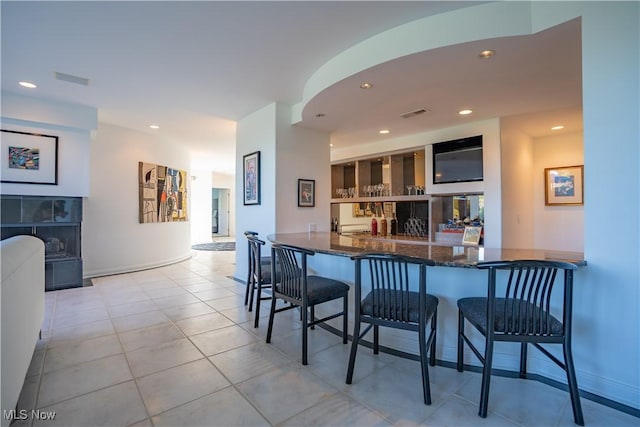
113 240
556 227
255 132
301 153
72 124
200 206
287 154
518 176
607 318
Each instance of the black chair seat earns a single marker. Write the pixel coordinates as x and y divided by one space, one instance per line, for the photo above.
322 289
397 305
475 311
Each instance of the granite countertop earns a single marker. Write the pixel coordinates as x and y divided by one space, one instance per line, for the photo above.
443 254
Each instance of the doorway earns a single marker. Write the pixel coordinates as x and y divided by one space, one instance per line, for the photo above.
220 211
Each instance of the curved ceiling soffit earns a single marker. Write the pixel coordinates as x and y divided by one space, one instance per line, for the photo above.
472 24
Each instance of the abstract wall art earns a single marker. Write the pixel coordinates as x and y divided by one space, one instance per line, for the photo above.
29 158
163 193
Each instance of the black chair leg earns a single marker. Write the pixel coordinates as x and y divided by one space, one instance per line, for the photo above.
305 331
460 364
573 385
376 340
354 349
422 341
251 291
272 314
523 360
432 349
345 320
256 319
246 292
486 377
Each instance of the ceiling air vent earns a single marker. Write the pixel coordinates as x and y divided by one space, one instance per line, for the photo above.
71 79
414 113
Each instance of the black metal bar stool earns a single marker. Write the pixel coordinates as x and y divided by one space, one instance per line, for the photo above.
521 312
259 275
391 303
294 286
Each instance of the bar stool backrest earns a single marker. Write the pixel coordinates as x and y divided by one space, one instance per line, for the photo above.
523 304
292 281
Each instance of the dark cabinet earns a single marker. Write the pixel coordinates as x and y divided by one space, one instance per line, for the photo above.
57 222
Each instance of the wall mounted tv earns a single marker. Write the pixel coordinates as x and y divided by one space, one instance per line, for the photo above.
459 160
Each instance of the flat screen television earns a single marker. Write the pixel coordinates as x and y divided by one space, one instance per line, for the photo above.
459 160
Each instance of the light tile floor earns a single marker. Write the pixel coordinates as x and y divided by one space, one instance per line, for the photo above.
175 346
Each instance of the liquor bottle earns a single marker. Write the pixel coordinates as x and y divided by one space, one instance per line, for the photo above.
394 225
374 226
383 226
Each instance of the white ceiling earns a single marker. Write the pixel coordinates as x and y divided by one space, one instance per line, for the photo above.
194 68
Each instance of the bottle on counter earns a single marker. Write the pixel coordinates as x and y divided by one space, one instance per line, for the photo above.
383 226
374 226
394 225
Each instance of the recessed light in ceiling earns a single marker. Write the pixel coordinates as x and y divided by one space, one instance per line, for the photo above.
485 54
28 85
330 145
154 126
384 131
557 127
366 85
465 112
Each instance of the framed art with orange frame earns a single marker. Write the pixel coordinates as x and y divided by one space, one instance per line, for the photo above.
564 186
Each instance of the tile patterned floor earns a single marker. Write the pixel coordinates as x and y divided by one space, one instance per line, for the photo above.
175 346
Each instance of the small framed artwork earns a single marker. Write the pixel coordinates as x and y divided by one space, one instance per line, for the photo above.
251 178
564 186
306 193
29 158
471 235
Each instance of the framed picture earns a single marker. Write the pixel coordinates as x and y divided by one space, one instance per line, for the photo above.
564 186
471 235
251 178
29 158
306 193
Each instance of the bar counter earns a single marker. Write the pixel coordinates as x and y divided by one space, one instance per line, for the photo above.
448 284
443 254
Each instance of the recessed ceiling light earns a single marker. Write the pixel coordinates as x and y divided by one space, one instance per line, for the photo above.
330 145
384 131
27 84
557 127
485 54
154 126
366 85
465 112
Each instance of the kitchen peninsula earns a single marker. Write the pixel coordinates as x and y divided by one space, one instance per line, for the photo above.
453 277
443 254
